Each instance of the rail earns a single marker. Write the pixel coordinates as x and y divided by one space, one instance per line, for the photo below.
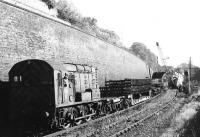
130 127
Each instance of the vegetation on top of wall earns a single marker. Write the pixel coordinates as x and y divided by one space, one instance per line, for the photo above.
67 11
140 50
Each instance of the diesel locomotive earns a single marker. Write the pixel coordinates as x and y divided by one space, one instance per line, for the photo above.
46 96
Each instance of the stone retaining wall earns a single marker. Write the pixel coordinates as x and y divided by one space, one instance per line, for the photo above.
26 34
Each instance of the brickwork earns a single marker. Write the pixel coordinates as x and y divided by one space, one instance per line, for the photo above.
24 35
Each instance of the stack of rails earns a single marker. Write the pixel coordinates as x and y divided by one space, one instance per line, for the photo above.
116 88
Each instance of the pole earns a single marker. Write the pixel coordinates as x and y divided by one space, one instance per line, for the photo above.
189 76
149 73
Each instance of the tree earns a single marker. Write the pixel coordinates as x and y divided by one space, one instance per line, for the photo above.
49 3
140 50
67 11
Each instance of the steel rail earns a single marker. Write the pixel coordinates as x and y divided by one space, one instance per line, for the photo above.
135 124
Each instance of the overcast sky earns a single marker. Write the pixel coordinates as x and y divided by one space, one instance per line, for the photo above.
175 24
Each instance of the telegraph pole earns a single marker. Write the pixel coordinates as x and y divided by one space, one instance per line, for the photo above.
189 76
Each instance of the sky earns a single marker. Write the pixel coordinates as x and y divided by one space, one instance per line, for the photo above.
175 24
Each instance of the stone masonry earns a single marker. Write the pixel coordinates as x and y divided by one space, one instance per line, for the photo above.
25 34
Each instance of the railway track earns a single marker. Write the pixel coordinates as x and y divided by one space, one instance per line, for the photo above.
144 121
114 124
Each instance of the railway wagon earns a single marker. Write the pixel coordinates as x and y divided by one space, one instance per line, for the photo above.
114 88
134 90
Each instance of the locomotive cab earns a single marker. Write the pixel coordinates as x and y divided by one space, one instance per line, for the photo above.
37 88
44 94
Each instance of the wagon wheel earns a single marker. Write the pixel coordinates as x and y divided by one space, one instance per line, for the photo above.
86 111
68 121
114 107
67 125
78 122
105 109
108 108
99 109
88 118
89 110
128 103
121 107
77 112
118 106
